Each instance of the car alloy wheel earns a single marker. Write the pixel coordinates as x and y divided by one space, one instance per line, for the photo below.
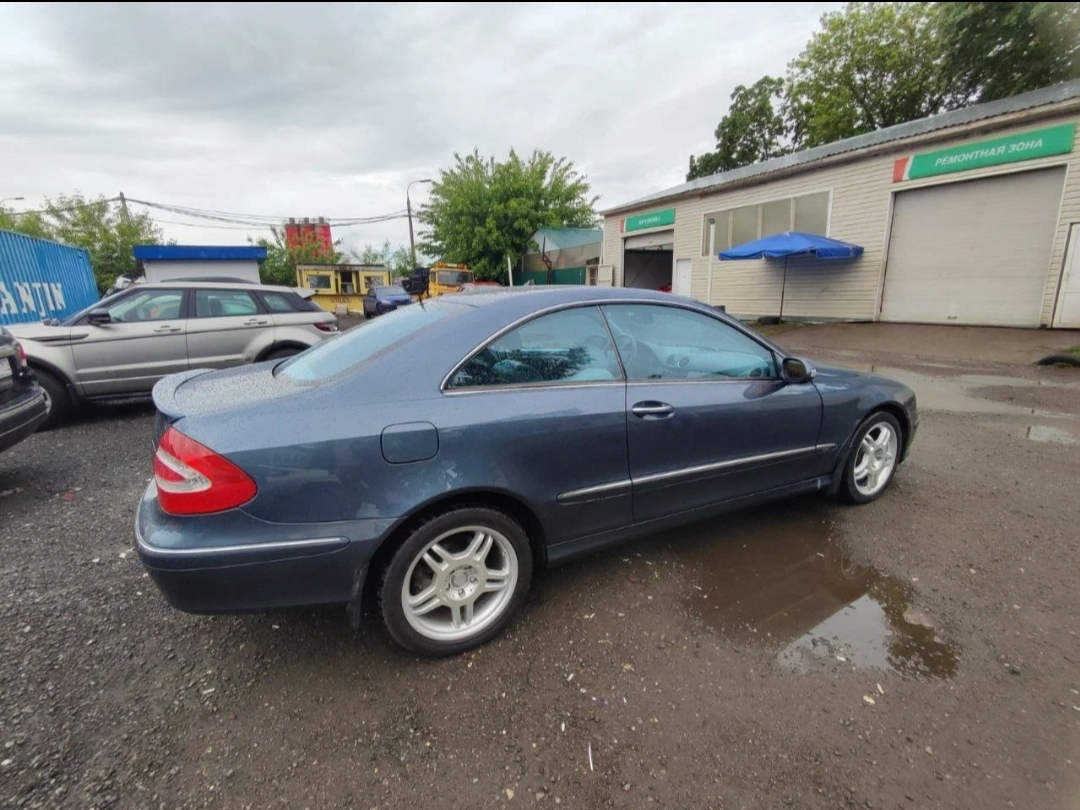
456 581
873 458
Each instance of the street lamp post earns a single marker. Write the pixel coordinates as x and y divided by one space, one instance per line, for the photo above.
11 199
408 208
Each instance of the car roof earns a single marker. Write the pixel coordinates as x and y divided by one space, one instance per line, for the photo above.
209 285
542 297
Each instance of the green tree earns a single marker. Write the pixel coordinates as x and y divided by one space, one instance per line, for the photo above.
752 130
872 65
483 211
282 257
397 257
996 50
31 223
101 226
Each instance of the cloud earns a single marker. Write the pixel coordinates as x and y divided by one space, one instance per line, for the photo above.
330 109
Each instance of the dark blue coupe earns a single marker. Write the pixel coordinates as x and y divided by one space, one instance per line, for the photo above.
432 460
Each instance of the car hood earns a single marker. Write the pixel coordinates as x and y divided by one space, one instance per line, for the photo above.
202 391
396 299
38 331
834 377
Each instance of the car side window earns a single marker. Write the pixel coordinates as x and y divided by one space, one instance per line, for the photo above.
671 343
569 346
276 302
223 303
147 305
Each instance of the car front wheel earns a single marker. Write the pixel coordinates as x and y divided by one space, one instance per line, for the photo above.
56 399
456 581
874 456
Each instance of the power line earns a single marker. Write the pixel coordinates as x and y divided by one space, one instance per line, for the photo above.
229 219
260 220
215 227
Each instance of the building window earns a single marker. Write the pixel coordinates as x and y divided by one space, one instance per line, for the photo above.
808 213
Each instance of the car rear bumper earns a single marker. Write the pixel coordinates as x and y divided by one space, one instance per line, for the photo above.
20 417
232 562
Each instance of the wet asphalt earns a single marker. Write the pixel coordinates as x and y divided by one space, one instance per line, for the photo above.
920 651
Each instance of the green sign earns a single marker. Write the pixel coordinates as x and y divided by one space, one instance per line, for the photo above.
653 219
1038 143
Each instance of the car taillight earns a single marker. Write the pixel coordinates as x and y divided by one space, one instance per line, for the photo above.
327 327
22 353
194 480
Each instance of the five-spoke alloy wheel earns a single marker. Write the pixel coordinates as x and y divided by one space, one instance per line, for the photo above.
875 452
456 581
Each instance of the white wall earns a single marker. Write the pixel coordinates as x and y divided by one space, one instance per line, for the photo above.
173 270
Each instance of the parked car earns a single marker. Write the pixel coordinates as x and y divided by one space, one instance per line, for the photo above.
437 456
382 299
120 346
22 402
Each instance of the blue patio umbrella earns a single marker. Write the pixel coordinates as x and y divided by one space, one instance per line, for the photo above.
792 243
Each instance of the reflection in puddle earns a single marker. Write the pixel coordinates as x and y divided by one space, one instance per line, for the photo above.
775 576
876 631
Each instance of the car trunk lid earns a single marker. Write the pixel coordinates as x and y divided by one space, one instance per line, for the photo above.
201 391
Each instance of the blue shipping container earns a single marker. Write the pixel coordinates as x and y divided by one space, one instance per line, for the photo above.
42 279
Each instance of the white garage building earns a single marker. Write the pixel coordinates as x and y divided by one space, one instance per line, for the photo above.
969 217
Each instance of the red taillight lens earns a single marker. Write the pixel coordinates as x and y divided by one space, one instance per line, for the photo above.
22 353
327 327
194 480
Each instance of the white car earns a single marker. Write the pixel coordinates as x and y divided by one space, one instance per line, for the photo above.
120 346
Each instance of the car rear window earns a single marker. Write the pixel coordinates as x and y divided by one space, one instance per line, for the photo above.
287 302
335 355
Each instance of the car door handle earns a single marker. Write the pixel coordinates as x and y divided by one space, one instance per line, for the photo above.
164 328
652 410
255 322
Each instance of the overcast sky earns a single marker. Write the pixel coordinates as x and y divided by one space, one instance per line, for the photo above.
330 109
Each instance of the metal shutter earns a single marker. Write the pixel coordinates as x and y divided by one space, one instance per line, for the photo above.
974 252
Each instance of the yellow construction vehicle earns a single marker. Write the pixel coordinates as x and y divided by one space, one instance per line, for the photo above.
440 278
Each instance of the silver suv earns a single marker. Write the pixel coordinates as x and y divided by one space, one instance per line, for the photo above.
118 348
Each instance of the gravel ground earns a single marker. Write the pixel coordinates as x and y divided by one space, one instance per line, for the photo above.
918 652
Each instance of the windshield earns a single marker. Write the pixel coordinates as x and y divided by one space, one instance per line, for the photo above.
397 289
351 348
454 278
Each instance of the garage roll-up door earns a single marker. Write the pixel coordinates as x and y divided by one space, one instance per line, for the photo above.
974 252
649 240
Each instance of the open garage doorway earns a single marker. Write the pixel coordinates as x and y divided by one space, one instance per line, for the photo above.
648 261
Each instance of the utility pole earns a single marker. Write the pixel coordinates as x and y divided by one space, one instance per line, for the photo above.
408 209
124 209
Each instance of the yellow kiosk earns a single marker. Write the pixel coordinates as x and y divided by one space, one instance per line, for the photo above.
340 288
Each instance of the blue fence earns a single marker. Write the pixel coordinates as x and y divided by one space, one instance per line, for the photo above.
42 279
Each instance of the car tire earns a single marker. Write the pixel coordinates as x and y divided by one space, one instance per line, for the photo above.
57 397
456 581
873 458
281 354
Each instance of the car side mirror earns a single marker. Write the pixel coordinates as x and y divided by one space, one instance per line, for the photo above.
797 371
99 317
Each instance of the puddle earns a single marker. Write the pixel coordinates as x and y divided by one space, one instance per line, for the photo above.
775 576
874 632
966 393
